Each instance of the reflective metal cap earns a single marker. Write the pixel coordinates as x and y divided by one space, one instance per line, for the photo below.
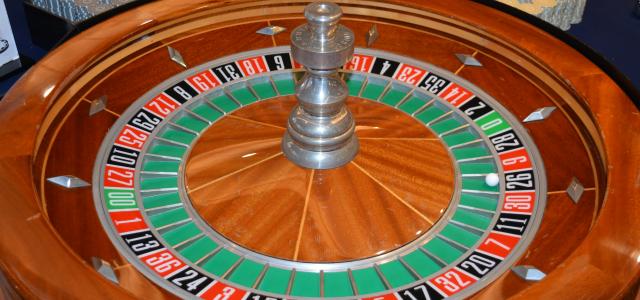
323 19
322 43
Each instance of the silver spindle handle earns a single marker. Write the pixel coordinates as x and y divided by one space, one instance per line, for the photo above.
321 131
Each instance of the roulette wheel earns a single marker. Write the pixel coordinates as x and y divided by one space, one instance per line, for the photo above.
201 149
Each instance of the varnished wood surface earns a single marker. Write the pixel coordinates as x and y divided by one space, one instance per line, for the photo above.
195 50
424 46
400 183
603 264
374 121
521 97
85 234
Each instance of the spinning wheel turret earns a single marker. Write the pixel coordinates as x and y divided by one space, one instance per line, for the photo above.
320 132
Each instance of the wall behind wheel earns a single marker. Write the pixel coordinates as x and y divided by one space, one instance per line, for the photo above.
37 32
612 29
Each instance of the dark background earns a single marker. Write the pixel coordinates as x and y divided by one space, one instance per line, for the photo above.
610 28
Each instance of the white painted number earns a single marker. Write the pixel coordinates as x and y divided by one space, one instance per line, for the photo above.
522 180
471 110
385 66
182 92
518 202
475 262
420 288
145 122
409 75
121 198
279 62
129 137
446 281
434 84
134 220
491 124
258 297
501 245
160 108
226 293
127 176
514 160
503 141
191 285
203 82
144 246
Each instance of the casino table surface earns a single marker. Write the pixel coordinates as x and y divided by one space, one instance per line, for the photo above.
163 126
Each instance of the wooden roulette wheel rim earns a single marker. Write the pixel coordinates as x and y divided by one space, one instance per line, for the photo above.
40 258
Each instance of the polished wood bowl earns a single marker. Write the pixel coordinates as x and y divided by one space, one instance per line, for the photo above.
48 235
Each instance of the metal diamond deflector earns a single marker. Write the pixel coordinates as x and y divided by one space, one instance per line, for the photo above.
98 105
68 181
176 57
372 35
575 190
271 30
105 269
528 273
468 60
540 114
